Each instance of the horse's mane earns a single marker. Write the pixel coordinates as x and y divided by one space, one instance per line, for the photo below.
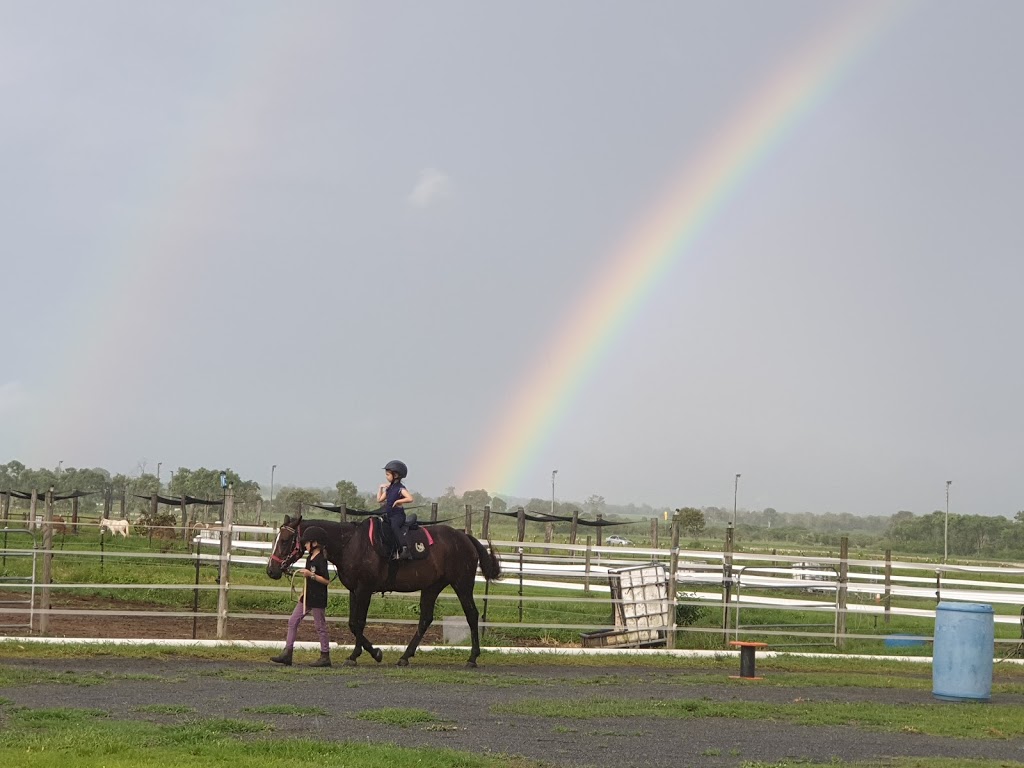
331 526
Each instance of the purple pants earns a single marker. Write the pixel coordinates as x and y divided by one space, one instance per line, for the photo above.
319 620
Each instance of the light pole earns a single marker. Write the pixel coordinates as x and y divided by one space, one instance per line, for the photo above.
553 473
735 493
272 487
60 464
945 531
158 465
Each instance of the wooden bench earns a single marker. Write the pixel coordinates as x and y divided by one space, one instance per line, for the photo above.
747 650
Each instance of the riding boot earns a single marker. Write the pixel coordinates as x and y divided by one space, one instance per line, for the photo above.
323 661
285 657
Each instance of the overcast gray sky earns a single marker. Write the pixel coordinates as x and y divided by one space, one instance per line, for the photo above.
323 235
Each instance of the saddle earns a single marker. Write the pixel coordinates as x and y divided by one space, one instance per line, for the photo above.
416 538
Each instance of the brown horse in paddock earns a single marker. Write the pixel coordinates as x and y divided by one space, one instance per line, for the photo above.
451 560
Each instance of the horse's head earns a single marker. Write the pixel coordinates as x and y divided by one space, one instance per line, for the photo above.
287 548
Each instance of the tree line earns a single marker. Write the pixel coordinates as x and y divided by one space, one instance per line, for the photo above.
975 536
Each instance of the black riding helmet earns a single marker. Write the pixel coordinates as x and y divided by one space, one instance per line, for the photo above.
398 468
313 533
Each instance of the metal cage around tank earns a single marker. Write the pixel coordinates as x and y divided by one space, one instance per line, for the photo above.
17 611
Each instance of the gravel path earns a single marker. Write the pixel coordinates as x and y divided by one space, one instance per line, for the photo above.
466 721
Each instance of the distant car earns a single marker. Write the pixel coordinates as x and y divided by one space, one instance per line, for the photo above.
619 541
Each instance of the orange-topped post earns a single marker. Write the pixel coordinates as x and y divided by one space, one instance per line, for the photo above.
747 650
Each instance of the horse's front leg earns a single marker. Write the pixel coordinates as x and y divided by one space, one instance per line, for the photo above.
359 606
428 597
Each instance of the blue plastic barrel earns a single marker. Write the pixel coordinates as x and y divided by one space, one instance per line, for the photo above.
964 651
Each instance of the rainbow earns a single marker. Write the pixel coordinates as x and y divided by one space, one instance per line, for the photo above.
605 308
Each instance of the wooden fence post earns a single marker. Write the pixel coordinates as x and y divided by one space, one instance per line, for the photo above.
574 526
586 569
154 508
433 512
549 532
225 560
844 570
600 530
44 589
74 515
670 639
184 522
726 581
124 503
344 513
520 525
888 584
485 532
32 502
469 519
654 532
6 508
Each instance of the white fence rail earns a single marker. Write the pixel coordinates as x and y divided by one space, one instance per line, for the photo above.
736 583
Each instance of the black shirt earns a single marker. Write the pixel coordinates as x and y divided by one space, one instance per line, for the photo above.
316 591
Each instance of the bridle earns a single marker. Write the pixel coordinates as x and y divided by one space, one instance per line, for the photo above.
284 562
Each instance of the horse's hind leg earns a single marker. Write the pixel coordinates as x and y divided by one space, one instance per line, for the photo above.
428 597
359 605
465 593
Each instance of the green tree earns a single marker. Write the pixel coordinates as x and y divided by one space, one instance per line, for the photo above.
479 499
498 504
291 499
349 495
691 520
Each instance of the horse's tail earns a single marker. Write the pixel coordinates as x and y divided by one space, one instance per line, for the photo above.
490 564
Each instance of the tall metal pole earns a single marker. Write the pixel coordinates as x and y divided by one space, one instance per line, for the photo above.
553 473
945 531
272 487
735 493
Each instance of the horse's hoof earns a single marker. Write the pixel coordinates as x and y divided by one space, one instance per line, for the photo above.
403 662
350 662
378 655
470 665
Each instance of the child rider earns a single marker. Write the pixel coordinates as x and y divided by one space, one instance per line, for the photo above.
394 496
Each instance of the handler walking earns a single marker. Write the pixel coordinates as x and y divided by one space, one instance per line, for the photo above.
314 599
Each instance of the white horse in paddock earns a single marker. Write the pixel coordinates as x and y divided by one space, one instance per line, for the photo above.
114 526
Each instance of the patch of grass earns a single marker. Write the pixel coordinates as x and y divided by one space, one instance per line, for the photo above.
44 717
403 717
11 677
564 729
138 744
198 732
287 709
165 709
711 752
967 721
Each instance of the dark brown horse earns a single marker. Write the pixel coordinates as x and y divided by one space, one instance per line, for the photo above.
451 560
